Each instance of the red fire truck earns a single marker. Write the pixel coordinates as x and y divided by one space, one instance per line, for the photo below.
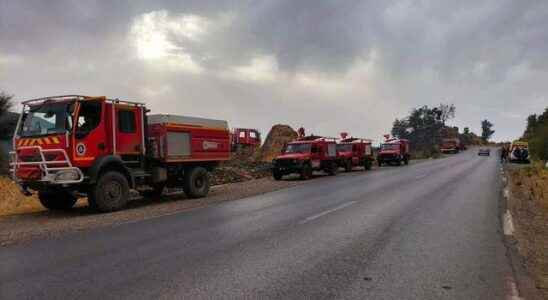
242 138
451 145
394 151
66 146
354 152
305 155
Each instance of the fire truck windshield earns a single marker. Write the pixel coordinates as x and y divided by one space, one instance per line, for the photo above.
47 118
390 147
344 147
298 148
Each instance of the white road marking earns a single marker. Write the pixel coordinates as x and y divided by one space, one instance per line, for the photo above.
421 176
314 217
508 224
512 289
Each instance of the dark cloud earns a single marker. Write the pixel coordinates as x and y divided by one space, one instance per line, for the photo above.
319 61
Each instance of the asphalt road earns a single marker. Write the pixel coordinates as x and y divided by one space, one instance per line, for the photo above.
430 230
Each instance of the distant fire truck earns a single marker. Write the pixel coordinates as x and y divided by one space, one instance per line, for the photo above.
354 152
65 146
245 138
394 151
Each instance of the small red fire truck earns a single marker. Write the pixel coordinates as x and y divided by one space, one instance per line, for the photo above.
305 155
451 145
394 151
354 152
66 146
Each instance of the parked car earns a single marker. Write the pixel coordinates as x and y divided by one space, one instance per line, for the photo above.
484 152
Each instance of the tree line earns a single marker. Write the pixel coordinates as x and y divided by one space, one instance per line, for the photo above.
536 133
425 127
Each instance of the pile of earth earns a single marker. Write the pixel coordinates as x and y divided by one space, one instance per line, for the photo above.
242 166
278 136
529 207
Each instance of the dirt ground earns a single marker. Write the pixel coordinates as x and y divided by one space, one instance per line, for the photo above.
529 207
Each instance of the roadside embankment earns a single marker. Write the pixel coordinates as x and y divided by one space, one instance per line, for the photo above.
528 204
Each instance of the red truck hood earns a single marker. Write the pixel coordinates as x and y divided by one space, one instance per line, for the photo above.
299 156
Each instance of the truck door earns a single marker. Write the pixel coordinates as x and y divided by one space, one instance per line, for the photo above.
129 129
89 136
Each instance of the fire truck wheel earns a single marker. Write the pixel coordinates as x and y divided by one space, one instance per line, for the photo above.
306 172
348 166
196 183
367 165
110 193
277 174
406 161
57 200
332 170
380 163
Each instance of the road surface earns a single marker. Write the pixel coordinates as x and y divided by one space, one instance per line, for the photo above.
430 230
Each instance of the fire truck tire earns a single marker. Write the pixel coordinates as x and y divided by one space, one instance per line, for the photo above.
348 166
306 172
57 200
406 161
111 192
277 174
332 170
367 164
196 183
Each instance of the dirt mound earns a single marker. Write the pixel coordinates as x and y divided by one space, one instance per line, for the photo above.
13 201
278 136
242 166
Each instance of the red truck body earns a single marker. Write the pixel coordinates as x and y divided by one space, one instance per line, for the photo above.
242 138
394 151
65 146
355 152
305 155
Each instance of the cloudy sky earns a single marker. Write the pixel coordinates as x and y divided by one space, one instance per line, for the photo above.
330 66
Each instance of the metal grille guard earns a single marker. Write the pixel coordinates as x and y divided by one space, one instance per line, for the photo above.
49 174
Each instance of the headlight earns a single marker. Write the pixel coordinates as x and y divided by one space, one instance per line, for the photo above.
67 175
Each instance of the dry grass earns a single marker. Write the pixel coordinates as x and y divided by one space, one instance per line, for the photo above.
13 202
529 206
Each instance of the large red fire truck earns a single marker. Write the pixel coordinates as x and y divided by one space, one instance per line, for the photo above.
66 146
354 152
305 155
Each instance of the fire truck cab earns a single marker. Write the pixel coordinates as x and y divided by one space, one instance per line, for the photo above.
67 146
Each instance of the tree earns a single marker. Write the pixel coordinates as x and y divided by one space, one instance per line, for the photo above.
5 103
486 131
6 126
422 128
445 112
